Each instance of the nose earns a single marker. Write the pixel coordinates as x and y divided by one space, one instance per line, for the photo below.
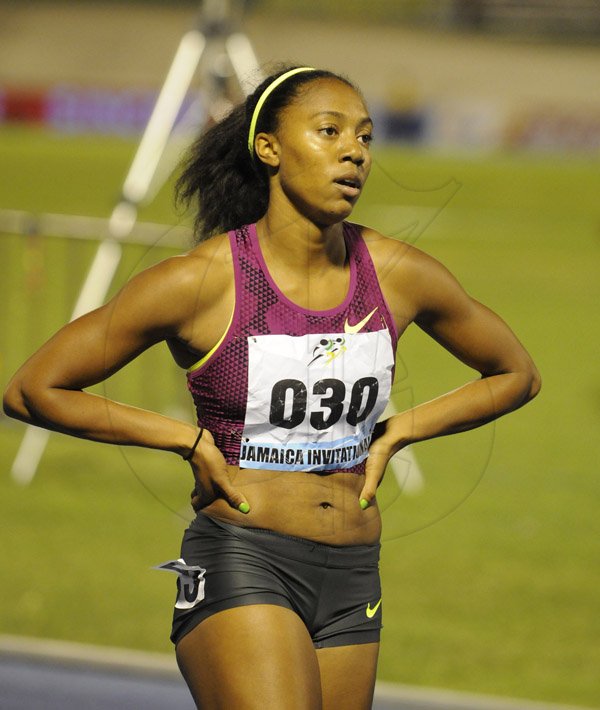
352 151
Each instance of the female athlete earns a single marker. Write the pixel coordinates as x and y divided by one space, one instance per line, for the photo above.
286 317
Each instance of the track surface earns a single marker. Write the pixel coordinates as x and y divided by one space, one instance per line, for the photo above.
34 685
43 675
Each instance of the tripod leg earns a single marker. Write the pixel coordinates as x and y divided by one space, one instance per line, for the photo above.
244 61
164 115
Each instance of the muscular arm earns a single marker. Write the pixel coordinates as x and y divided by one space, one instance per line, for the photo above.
470 331
479 338
161 303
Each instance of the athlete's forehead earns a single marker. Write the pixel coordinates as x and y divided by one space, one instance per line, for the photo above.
328 97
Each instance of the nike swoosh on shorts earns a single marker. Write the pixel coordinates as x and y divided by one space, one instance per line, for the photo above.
370 612
359 326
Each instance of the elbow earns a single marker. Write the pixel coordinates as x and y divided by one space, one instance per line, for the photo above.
533 384
524 384
25 402
536 384
13 402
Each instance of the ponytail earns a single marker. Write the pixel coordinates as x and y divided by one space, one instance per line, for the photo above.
220 180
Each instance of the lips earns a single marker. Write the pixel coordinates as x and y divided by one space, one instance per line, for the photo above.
350 185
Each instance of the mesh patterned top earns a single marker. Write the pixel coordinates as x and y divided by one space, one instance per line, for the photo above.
288 388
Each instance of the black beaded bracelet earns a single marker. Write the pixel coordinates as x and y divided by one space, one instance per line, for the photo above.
190 453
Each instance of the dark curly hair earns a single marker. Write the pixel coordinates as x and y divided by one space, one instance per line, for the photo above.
220 180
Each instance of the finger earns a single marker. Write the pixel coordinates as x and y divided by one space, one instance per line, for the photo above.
203 494
374 471
235 499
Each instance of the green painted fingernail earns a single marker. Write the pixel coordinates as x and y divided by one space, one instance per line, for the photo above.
364 503
244 508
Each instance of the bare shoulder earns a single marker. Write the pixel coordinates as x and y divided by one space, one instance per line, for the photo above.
169 291
408 274
397 254
184 270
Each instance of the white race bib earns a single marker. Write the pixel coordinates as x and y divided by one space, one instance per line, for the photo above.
313 400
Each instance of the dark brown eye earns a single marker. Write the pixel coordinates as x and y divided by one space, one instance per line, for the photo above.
329 130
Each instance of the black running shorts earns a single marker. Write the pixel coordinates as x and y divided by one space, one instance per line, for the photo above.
335 590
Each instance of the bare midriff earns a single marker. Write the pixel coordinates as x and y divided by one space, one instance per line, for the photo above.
320 507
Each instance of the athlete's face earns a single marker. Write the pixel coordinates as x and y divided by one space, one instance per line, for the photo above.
322 145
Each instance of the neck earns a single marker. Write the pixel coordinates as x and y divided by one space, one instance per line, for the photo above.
298 242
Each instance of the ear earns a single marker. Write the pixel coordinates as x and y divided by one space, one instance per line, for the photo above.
267 149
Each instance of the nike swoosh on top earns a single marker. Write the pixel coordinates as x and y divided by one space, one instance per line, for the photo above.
370 612
359 326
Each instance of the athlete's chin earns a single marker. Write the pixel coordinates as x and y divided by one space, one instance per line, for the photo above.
346 205
335 214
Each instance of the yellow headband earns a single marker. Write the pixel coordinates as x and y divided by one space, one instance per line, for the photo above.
264 96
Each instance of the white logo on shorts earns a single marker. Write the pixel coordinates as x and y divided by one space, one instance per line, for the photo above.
190 582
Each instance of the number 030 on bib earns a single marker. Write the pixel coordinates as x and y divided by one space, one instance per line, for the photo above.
313 400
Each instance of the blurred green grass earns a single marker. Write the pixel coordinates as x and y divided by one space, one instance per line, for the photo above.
491 573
